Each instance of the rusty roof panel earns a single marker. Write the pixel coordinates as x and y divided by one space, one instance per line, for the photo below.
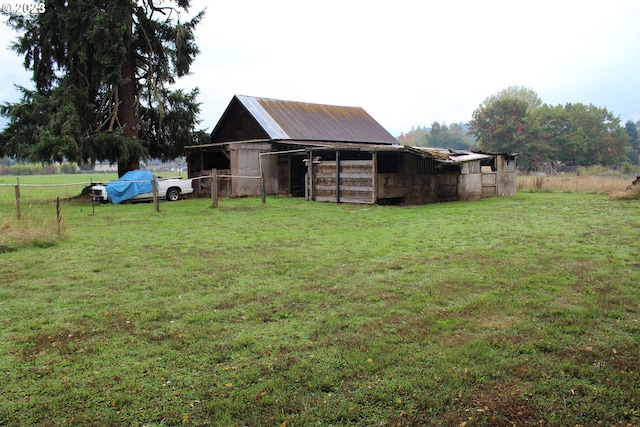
315 122
447 155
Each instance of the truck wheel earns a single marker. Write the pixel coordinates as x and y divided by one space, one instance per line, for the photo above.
173 194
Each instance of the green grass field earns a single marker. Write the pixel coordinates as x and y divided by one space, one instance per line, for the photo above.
507 311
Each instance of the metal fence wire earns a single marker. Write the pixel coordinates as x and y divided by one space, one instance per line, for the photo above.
11 193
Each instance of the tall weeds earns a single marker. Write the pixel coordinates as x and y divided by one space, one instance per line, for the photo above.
631 193
29 232
574 183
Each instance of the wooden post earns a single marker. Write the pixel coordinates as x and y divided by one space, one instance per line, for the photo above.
374 177
310 178
93 203
263 193
58 213
18 198
154 190
337 176
214 188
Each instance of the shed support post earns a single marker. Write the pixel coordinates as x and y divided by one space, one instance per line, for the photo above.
263 193
154 189
338 176
374 178
311 177
214 188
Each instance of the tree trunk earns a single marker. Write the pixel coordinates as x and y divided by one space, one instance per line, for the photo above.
127 111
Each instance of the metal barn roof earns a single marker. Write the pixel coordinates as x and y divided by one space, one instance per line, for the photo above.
292 120
448 155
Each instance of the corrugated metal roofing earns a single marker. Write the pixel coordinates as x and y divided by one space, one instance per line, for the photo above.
447 155
291 120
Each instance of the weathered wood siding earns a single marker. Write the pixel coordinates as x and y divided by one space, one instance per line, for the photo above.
447 186
489 184
202 186
356 181
245 169
391 178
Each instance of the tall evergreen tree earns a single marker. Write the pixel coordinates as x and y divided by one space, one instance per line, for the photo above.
102 74
633 153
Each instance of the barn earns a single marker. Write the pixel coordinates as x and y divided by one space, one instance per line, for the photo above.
336 154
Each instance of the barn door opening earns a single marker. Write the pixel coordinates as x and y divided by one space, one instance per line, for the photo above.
447 182
298 171
291 174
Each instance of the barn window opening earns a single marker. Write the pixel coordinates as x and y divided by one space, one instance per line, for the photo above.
200 162
510 165
474 167
388 163
488 165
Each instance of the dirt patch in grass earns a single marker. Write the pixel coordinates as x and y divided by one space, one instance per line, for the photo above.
62 343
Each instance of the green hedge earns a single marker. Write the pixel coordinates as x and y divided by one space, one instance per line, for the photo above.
31 169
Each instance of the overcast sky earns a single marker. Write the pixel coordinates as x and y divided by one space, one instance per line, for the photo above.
408 63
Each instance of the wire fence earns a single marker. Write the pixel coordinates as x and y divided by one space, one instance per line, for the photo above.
18 199
42 193
16 193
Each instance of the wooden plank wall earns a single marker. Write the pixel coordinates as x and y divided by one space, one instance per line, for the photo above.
202 186
489 184
356 181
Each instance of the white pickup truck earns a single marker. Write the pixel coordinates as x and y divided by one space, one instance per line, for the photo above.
135 186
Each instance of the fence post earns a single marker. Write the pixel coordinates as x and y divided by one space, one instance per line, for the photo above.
154 190
214 188
93 204
58 213
18 198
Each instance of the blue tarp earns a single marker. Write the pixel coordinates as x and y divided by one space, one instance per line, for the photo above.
128 185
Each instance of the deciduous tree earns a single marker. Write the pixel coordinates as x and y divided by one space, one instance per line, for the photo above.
521 93
501 126
416 136
513 121
595 135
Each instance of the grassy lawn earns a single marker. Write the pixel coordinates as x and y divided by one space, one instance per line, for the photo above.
507 311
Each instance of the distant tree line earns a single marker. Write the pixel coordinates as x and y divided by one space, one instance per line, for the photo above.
633 152
515 120
439 135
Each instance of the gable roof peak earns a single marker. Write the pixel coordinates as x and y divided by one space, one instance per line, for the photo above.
294 120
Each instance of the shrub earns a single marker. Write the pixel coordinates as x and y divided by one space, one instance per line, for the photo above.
39 169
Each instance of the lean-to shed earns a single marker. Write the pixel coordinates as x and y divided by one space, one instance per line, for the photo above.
336 153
